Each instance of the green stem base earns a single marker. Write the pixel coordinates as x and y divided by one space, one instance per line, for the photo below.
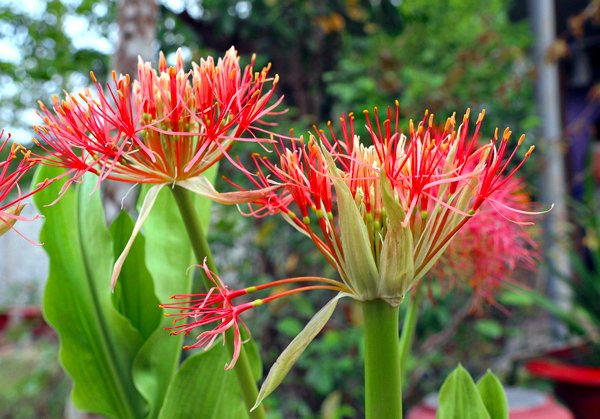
383 379
408 329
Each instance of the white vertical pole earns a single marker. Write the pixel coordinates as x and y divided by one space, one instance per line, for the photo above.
551 144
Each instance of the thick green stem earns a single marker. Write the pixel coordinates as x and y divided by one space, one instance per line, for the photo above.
383 378
408 329
201 250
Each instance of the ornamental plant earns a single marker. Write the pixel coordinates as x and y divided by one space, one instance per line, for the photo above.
382 214
383 210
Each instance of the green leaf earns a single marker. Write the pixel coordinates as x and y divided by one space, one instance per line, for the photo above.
289 326
493 396
168 259
97 343
134 295
203 389
459 398
290 355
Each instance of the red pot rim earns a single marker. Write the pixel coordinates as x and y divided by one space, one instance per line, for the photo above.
566 373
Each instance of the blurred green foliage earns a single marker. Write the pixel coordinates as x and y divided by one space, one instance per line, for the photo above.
450 55
45 52
585 261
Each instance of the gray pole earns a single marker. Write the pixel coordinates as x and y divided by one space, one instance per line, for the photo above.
551 144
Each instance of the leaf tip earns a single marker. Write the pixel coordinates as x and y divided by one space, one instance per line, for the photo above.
256 404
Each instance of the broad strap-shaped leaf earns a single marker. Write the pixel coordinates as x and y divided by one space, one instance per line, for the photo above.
493 396
396 262
203 389
97 343
459 398
168 259
290 355
149 200
134 294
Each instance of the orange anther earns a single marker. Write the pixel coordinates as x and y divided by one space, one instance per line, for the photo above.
481 116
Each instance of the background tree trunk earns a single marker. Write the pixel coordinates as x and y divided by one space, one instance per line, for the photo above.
137 32
137 21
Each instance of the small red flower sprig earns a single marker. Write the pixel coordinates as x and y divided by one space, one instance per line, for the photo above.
217 308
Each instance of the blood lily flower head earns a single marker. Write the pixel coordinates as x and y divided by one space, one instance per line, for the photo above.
383 211
168 126
220 310
165 128
12 170
493 246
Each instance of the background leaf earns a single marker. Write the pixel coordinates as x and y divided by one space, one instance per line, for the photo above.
134 295
459 398
252 353
493 396
203 389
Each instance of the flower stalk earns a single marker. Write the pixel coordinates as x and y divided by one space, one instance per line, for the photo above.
383 377
202 251
409 326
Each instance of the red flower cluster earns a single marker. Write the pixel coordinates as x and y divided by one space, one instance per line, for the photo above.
493 245
12 170
436 181
164 127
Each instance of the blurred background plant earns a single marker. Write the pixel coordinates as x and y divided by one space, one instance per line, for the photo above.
336 56
34 384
